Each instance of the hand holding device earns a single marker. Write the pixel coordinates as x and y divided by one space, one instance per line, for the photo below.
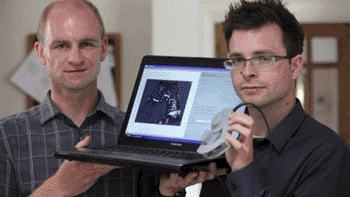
214 142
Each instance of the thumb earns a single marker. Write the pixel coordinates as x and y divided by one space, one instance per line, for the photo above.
83 142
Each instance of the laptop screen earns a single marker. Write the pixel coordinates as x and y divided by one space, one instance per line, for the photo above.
177 102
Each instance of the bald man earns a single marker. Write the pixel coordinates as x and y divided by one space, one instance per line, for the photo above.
71 45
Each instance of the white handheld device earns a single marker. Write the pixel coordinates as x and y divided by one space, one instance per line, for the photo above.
214 142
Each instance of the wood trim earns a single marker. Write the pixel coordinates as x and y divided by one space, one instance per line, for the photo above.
220 42
117 70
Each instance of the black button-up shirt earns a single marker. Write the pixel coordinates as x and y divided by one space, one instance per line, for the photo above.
301 157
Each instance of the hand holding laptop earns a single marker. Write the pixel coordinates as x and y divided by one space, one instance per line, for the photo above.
74 177
173 183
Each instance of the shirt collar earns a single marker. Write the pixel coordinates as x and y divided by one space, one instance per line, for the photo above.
49 110
287 127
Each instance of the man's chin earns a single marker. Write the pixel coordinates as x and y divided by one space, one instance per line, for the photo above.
257 102
78 87
252 101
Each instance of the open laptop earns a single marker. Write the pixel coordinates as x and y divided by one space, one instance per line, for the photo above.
172 104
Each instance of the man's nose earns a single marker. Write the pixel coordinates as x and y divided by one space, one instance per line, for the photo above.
249 69
75 56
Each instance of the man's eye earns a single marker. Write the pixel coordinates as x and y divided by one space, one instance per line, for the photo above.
62 46
238 61
87 45
266 59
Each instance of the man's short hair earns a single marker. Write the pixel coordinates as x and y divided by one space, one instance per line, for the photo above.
77 3
258 13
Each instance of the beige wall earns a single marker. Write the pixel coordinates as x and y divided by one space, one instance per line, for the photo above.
187 26
162 27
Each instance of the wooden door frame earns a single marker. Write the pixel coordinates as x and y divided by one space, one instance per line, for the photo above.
341 32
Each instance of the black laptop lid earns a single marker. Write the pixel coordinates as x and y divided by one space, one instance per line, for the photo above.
174 100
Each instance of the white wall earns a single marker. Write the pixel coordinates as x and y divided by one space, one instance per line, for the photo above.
135 29
176 27
161 27
175 31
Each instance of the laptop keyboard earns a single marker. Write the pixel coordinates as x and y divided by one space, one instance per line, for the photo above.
157 152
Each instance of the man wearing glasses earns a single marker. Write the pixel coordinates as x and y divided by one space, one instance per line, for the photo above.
297 156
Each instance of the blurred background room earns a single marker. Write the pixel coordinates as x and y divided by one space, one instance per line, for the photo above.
190 28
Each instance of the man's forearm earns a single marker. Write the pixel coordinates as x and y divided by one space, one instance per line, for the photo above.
49 188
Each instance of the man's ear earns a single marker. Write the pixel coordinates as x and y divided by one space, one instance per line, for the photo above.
39 51
104 48
297 65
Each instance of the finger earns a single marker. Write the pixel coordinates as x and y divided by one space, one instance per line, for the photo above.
221 171
100 166
237 145
190 179
243 121
212 169
203 176
240 118
244 141
106 172
218 171
83 143
245 133
106 169
113 167
174 177
212 166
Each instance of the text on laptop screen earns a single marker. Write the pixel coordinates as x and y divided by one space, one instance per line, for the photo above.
177 103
